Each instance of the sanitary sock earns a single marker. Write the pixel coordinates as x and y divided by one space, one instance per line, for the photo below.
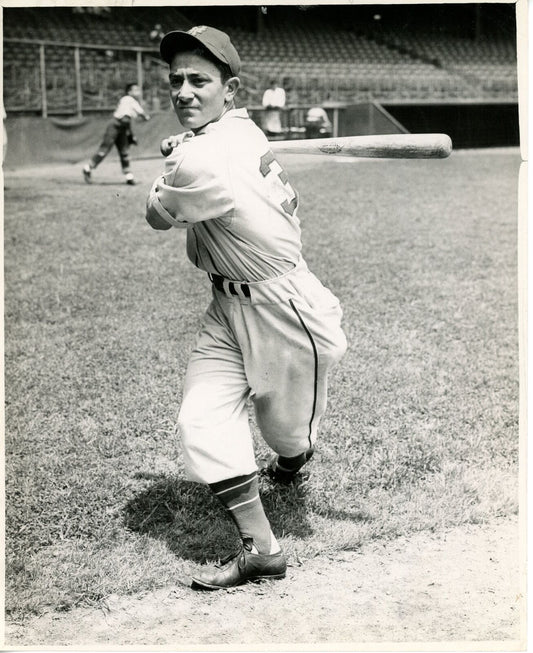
240 495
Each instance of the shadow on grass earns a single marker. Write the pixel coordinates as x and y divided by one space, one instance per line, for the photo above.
104 182
194 525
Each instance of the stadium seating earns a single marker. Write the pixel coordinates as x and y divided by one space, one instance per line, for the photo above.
314 64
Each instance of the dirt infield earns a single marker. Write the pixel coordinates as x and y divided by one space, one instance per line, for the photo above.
458 586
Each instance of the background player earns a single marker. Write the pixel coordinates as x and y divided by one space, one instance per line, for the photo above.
118 132
273 101
272 331
317 123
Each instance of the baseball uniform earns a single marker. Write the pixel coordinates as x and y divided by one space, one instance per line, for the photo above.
118 132
272 331
273 101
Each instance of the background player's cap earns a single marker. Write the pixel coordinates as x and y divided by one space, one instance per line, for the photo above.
217 42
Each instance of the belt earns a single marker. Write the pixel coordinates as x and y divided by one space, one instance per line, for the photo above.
230 287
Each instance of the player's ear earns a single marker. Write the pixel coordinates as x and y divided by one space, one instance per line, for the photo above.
232 86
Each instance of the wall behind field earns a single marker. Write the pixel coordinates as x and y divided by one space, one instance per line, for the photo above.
35 141
469 125
365 119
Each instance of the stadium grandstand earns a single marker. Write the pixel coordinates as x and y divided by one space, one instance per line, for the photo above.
74 61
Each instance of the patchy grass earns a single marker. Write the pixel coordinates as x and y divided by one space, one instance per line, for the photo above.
100 316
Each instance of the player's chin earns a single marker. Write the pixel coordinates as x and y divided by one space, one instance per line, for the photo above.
190 124
189 119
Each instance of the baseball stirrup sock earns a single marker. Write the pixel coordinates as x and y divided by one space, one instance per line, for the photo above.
240 496
295 463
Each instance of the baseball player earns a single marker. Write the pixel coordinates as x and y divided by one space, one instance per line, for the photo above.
317 123
273 102
118 132
272 331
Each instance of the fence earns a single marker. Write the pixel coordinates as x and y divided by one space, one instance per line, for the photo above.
70 78
52 77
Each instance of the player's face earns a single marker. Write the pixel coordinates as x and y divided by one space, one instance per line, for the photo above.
135 92
197 92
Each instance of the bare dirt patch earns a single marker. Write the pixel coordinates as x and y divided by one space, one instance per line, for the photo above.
462 585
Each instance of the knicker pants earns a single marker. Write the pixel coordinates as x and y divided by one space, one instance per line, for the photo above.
117 133
275 347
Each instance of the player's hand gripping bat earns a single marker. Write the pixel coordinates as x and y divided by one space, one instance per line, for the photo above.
384 146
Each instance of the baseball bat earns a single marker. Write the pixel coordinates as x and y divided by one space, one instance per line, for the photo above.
384 146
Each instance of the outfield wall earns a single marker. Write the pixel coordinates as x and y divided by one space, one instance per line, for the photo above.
363 119
34 140
469 124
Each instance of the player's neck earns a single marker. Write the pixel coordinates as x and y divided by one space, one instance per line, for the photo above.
226 108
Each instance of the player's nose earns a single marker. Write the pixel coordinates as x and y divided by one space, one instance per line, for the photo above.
185 92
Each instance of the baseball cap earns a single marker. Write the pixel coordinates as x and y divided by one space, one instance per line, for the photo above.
214 40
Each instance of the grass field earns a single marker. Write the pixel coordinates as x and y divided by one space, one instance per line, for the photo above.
101 313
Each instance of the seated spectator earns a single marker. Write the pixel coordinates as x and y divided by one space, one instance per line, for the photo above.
317 123
157 33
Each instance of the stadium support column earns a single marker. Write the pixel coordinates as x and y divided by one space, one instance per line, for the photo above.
77 69
259 20
42 61
478 25
140 72
335 125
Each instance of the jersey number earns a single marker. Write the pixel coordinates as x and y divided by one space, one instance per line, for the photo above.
265 168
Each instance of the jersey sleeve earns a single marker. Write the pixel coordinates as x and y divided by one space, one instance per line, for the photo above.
155 211
197 188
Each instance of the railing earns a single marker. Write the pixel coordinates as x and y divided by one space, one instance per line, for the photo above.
93 83
57 77
73 78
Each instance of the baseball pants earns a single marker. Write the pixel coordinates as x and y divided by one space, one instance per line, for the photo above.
273 342
116 133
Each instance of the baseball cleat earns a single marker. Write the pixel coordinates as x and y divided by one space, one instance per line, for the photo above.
240 568
87 174
279 474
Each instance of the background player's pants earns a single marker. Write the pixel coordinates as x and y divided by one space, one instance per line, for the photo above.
275 347
117 133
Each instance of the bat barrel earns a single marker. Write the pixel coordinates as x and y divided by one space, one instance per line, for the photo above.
389 146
